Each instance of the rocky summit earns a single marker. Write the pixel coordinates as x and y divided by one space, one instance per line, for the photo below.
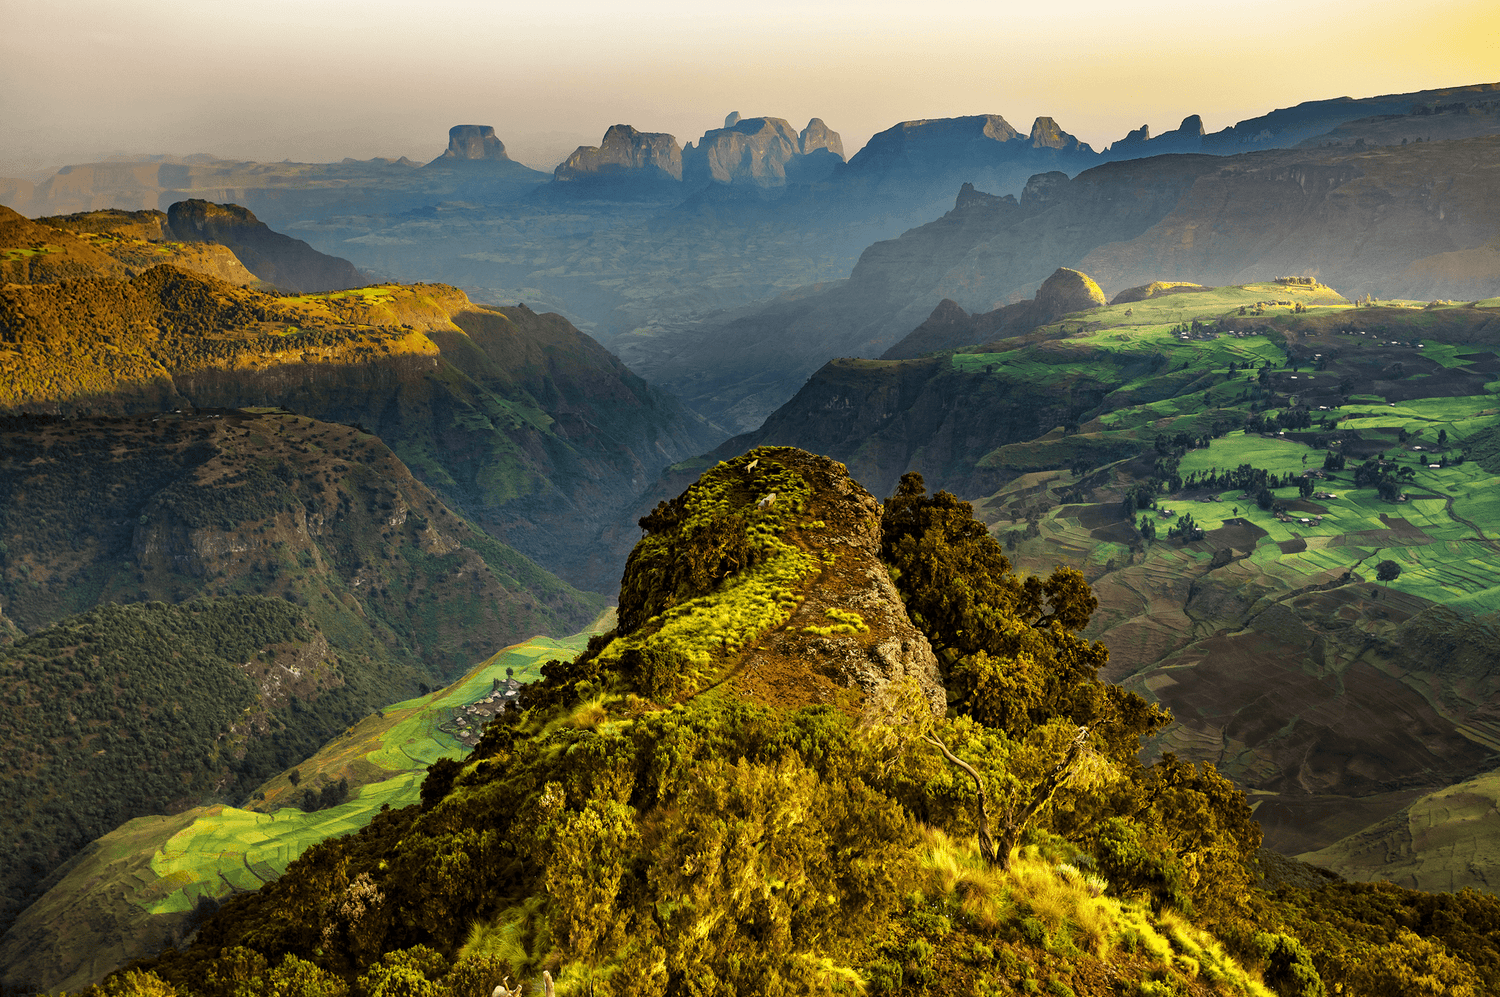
473 142
625 151
752 150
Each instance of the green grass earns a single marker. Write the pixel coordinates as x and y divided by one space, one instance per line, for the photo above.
1277 456
228 847
21 252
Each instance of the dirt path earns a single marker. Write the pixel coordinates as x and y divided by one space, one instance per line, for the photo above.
1448 508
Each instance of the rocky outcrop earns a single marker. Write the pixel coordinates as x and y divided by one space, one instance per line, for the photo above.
473 143
818 135
1045 134
625 153
752 150
1067 291
950 327
1186 137
830 623
934 143
287 263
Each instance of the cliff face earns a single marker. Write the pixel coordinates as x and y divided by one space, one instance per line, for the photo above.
752 150
473 143
288 263
536 430
625 152
818 135
766 574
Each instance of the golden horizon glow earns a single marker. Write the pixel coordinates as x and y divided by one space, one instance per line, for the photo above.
323 80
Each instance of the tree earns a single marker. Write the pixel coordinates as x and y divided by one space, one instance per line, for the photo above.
1013 781
1387 571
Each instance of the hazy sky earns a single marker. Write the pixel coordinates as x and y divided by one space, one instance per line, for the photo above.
318 80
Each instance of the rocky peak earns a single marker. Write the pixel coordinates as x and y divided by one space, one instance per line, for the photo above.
473 142
625 150
1186 137
731 119
765 574
752 150
1042 188
971 199
818 135
1046 134
1068 291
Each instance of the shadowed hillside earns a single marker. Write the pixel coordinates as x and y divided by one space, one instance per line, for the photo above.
1414 221
516 418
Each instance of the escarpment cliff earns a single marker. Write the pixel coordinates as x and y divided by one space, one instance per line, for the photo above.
517 418
288 263
765 152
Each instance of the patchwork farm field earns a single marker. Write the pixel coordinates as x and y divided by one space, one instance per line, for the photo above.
1290 657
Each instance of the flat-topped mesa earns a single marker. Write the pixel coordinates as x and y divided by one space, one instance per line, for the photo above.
934 143
625 152
471 143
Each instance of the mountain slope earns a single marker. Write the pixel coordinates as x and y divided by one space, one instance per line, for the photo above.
514 417
372 586
1400 221
711 799
150 882
1286 662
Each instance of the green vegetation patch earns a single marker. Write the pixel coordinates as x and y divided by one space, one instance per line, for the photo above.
247 847
1275 455
719 570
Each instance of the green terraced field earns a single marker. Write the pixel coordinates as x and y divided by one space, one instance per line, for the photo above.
228 849
1277 456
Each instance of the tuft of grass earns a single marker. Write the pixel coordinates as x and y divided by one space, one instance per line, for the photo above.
1057 907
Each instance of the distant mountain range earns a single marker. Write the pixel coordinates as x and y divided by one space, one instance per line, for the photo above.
1404 221
765 206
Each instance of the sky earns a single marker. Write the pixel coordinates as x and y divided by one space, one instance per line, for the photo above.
319 80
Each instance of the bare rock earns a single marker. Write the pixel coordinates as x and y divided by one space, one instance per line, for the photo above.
753 150
624 152
473 142
818 135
